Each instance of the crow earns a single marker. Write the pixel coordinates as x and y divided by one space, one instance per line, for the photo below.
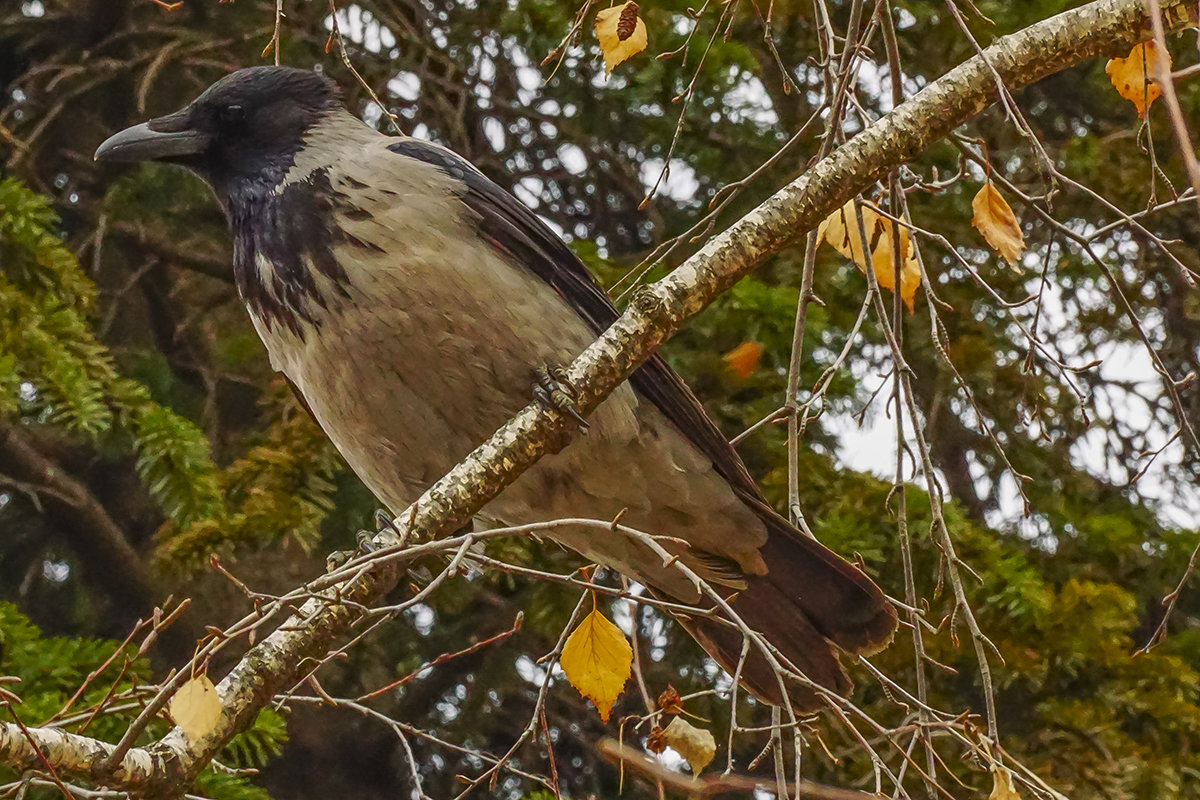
414 305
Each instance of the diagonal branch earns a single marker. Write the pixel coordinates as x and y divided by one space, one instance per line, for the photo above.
112 561
33 748
1101 28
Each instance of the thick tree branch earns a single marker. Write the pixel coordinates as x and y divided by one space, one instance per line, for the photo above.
71 754
111 561
1102 28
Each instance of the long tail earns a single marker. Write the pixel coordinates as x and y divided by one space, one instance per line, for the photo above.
810 606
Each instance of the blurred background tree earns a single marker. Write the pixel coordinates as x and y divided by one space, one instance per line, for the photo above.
141 429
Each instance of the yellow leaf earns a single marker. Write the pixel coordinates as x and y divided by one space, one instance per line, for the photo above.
196 707
1002 785
998 224
621 33
597 659
743 359
840 229
697 745
1135 76
885 268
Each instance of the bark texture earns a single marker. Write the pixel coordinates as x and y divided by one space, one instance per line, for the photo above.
166 768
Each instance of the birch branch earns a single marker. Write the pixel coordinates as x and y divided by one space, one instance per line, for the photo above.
51 748
1101 28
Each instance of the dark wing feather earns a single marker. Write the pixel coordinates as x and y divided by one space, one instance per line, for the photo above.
810 599
512 228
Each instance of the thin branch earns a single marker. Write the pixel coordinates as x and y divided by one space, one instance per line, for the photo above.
649 769
1100 28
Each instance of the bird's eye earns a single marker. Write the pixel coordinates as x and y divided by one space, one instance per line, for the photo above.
232 115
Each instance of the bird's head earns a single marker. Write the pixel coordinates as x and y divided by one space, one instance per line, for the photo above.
248 125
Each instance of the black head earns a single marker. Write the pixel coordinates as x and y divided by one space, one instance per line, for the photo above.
248 125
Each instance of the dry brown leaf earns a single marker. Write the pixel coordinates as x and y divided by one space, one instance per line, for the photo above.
656 742
621 33
1002 785
1135 76
669 702
597 659
840 229
196 707
996 221
696 745
743 359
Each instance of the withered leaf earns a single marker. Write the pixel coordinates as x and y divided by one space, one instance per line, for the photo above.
743 360
621 33
1002 785
995 219
196 708
669 701
840 230
696 745
1136 76
598 659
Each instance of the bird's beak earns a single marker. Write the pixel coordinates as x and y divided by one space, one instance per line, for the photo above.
159 139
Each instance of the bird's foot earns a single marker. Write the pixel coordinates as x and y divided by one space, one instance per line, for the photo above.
365 539
553 391
383 522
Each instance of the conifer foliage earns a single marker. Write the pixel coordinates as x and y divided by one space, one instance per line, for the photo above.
1047 335
54 372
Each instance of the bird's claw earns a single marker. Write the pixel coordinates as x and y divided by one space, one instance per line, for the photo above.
553 391
338 559
384 521
365 539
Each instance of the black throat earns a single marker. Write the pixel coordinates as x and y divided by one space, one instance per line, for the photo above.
284 235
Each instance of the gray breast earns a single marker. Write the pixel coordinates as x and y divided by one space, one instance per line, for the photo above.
434 346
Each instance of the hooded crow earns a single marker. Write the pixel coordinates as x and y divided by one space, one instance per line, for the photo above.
410 301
